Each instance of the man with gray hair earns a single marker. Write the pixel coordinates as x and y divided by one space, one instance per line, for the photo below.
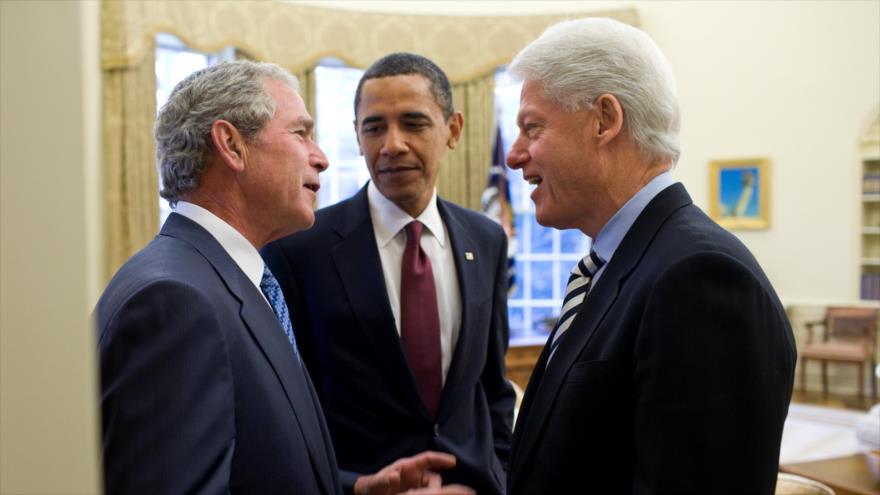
672 361
203 388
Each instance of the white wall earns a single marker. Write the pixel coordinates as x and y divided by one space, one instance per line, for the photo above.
793 81
49 91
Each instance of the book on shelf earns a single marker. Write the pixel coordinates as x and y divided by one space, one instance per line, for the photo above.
870 286
871 183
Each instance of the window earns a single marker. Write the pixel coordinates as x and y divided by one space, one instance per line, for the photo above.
335 86
544 256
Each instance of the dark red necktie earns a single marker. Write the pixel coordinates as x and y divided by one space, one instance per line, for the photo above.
419 319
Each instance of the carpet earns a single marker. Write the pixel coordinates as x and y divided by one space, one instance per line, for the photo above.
816 432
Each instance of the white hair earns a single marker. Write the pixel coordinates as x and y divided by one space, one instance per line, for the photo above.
577 61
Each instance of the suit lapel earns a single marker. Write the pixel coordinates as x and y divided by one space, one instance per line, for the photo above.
360 272
467 272
269 335
545 384
266 331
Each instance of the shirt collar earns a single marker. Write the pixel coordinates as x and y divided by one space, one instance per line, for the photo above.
609 238
239 249
389 219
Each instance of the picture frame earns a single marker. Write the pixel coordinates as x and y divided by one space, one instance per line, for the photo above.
739 193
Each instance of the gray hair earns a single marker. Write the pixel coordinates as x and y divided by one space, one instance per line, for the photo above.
577 61
231 91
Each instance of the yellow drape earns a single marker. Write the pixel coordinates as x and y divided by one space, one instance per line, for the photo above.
464 170
296 37
307 88
131 209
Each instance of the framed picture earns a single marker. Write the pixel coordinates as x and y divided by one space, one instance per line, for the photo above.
739 193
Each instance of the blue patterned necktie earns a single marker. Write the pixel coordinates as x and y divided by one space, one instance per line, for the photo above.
273 293
575 293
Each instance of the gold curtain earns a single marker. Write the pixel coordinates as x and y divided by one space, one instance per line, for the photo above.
307 92
131 209
466 47
307 89
464 170
297 36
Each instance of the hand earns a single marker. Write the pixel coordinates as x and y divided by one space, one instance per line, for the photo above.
441 490
410 473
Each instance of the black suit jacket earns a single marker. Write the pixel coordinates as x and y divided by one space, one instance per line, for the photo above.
200 389
332 278
674 377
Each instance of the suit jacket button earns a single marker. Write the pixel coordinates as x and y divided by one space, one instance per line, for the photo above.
436 430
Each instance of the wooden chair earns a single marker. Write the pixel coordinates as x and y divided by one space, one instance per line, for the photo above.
849 335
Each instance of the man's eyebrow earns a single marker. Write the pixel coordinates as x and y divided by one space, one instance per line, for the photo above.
416 115
371 120
305 122
524 114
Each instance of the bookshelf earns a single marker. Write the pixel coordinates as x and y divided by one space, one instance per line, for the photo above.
869 260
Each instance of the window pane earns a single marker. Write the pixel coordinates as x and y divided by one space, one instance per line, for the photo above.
517 324
542 237
562 269
572 241
543 319
542 280
335 85
348 185
520 221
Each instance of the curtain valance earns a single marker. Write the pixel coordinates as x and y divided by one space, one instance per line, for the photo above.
297 36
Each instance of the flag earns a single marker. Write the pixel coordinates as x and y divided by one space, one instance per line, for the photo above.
495 203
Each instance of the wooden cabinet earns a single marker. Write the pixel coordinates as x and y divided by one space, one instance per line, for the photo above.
520 361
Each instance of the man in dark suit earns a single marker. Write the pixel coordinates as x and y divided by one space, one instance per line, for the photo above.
203 389
671 365
352 294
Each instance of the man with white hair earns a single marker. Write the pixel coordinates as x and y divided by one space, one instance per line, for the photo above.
672 361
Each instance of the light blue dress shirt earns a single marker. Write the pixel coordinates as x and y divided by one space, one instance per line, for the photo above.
608 239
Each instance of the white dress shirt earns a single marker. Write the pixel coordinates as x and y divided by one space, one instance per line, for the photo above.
388 223
242 252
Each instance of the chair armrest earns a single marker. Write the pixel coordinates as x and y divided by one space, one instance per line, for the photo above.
810 325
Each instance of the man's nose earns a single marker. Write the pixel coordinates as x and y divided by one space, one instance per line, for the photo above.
395 142
517 156
318 159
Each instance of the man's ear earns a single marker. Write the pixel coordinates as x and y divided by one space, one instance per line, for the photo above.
229 144
609 117
456 124
357 135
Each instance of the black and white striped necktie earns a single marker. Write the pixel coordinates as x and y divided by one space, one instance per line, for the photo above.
575 293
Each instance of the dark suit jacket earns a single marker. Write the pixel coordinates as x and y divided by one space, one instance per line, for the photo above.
200 390
674 377
332 278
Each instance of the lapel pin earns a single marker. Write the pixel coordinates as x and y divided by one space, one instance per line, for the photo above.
469 256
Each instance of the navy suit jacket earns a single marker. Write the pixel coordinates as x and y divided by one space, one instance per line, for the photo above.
332 278
200 389
674 377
